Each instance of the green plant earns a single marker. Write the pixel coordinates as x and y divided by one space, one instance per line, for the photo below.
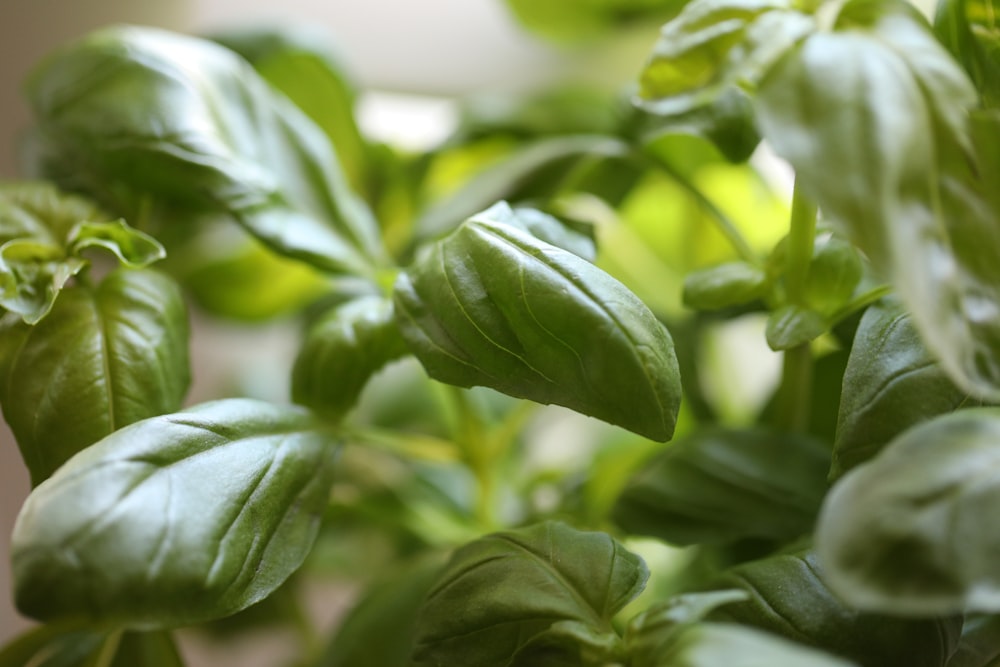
838 515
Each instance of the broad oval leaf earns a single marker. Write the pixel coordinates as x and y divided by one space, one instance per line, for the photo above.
891 383
883 105
495 306
725 285
717 486
175 519
103 358
503 591
188 124
904 533
788 596
342 350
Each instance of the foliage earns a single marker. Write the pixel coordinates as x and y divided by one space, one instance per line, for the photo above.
569 250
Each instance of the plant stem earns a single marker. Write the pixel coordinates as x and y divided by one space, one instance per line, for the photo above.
722 221
109 648
796 375
477 454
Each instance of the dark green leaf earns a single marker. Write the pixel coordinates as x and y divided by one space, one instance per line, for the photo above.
880 103
891 383
721 486
187 124
342 350
788 596
175 519
298 60
147 649
133 247
104 357
715 644
731 284
492 305
791 326
708 57
51 645
568 644
905 532
980 643
502 591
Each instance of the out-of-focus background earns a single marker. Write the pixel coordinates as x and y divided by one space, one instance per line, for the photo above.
413 57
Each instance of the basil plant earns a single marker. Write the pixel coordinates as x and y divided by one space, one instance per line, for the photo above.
581 385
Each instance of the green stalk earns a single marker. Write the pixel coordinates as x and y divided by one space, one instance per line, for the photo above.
796 375
475 447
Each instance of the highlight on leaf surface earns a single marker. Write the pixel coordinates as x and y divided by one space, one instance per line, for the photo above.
176 519
493 305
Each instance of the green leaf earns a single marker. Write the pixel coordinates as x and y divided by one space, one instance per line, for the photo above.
134 248
787 595
104 357
578 20
32 274
342 350
718 486
39 211
651 633
386 609
298 60
187 125
147 649
51 645
715 644
706 61
503 179
175 519
891 383
790 326
492 305
980 643
835 270
725 285
502 591
968 29
883 105
904 533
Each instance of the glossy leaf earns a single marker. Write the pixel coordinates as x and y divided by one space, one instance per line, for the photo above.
104 357
725 285
787 595
903 533
881 103
492 305
708 56
32 274
187 517
134 248
891 383
504 591
717 486
342 350
187 124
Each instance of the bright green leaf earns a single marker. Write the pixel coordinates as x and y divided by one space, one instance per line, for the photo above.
39 211
907 532
134 248
787 595
104 357
968 28
503 591
891 383
342 350
717 486
188 125
577 20
492 305
175 519
32 274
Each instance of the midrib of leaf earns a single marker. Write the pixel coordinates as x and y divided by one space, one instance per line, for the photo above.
101 328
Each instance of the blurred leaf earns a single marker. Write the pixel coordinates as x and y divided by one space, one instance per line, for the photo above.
968 29
980 643
718 486
578 20
725 285
903 533
835 270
